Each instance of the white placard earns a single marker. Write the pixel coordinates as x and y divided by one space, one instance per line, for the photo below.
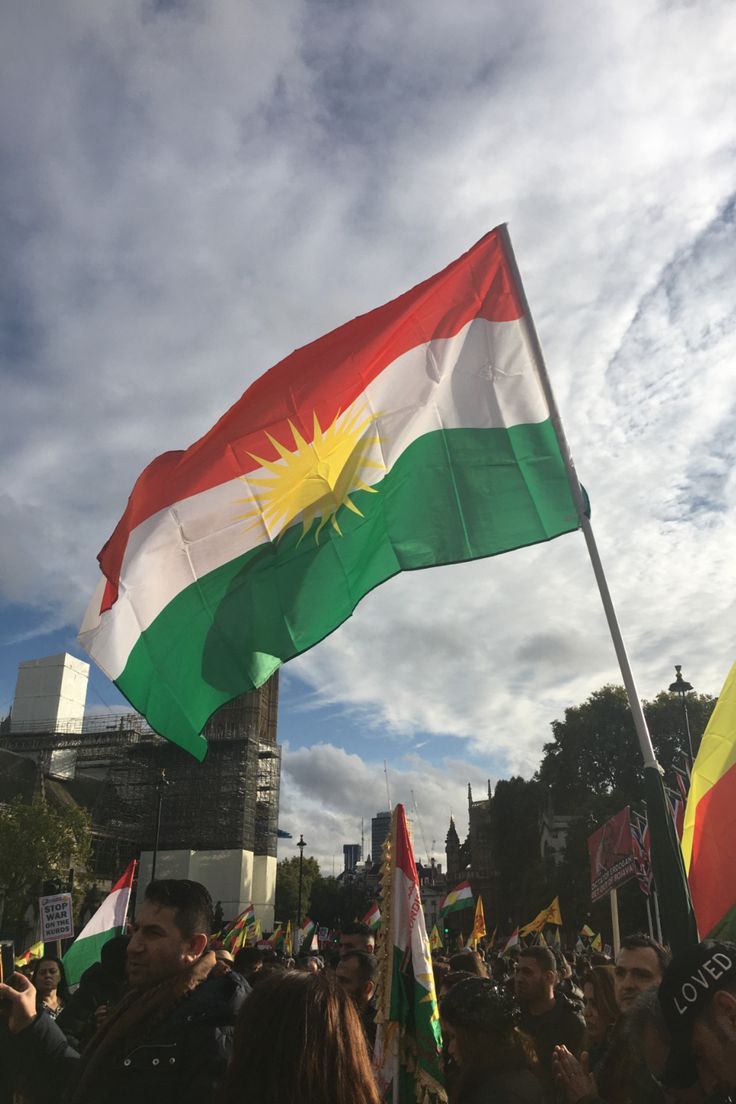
57 921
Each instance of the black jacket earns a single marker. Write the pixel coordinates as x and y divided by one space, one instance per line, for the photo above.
563 1025
518 1087
181 1061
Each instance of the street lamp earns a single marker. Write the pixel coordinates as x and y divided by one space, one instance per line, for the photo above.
681 688
301 845
159 802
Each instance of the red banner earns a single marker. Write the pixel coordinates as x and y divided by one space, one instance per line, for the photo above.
611 852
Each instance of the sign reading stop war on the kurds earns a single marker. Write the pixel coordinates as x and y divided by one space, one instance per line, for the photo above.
56 917
611 853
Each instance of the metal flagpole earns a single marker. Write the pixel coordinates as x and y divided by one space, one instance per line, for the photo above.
656 914
649 919
669 868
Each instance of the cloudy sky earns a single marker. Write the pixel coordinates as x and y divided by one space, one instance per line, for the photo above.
191 190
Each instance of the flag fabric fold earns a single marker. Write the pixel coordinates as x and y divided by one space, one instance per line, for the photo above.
710 820
107 922
512 941
238 932
479 924
416 435
408 1040
36 950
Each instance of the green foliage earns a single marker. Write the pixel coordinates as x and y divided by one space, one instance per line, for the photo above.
287 887
515 812
38 842
335 903
593 768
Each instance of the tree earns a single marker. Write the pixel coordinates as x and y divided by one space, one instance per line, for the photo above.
515 813
287 887
38 843
336 903
593 768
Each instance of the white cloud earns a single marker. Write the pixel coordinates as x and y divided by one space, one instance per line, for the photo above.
325 791
190 191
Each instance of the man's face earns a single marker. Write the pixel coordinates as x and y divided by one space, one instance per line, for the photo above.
157 948
714 1044
347 974
636 971
531 981
356 943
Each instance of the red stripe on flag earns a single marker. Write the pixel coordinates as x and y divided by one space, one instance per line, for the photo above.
712 873
320 379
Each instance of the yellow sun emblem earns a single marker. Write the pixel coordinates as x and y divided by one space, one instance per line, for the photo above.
311 482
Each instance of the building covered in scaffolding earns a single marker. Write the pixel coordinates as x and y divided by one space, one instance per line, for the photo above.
217 820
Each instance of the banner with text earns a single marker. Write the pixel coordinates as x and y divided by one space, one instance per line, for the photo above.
611 852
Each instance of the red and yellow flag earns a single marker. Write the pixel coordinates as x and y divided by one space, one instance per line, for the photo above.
710 821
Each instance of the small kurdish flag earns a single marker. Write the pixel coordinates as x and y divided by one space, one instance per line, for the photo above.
107 922
372 918
458 898
416 435
408 1046
435 939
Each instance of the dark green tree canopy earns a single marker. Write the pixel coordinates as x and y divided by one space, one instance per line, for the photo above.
38 842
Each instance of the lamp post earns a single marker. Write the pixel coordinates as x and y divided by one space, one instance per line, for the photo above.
159 802
681 688
301 845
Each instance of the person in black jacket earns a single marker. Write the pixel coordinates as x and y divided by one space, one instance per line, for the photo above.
549 1017
496 1063
100 988
168 1041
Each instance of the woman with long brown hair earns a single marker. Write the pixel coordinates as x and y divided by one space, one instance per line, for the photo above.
601 1013
496 1059
298 1038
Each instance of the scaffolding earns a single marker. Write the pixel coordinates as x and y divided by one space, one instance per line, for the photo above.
231 800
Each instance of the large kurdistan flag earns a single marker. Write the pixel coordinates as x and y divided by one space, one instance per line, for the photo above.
415 435
710 820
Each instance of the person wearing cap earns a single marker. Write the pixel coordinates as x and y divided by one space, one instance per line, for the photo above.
698 1000
496 1060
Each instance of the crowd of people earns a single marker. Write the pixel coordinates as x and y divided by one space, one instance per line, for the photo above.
167 1015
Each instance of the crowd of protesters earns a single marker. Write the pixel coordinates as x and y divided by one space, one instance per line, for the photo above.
167 1015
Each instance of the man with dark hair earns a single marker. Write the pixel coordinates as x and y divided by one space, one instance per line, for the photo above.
640 965
356 937
549 1017
698 1000
357 972
168 1040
